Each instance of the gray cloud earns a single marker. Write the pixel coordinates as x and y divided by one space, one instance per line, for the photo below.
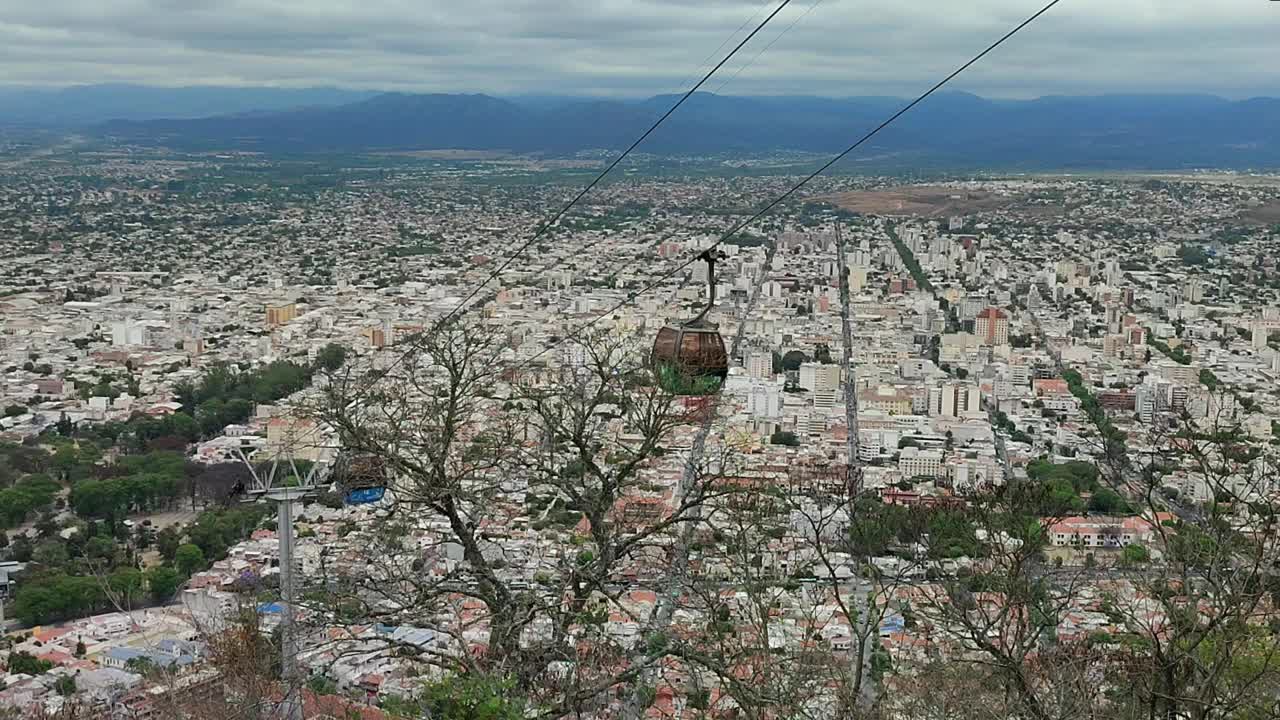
618 47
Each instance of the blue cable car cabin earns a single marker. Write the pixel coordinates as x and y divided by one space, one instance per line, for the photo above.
362 479
364 496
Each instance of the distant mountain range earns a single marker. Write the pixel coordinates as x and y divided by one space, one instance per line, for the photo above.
92 104
948 130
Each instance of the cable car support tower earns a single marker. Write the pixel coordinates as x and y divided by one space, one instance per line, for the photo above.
286 486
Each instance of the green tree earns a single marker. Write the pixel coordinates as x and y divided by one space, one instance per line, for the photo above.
64 426
215 531
1108 502
127 584
189 559
183 425
143 536
331 357
212 416
163 582
66 459
321 685
55 596
144 666
1209 379
1192 255
785 437
28 495
1134 554
23 663
99 547
952 535
21 550
36 602
156 482
793 359
51 554
461 697
167 542
65 686
99 499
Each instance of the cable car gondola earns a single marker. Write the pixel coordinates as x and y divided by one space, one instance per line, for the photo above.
362 479
690 358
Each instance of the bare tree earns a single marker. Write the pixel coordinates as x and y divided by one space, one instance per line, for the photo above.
761 639
1002 614
487 458
1201 622
1195 609
845 529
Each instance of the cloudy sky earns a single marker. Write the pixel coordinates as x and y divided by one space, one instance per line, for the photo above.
639 47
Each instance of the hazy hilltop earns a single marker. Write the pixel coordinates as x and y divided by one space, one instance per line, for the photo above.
949 130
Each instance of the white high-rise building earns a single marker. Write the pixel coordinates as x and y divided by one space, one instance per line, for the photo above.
1034 300
1152 397
1020 375
857 279
823 381
955 399
1193 290
764 400
127 332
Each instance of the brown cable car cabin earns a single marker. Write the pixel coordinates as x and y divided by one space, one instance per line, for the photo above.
690 358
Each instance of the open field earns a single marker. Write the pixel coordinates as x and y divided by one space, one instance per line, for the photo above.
457 154
929 201
1220 178
1268 214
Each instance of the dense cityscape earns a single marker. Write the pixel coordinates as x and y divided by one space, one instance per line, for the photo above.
983 440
